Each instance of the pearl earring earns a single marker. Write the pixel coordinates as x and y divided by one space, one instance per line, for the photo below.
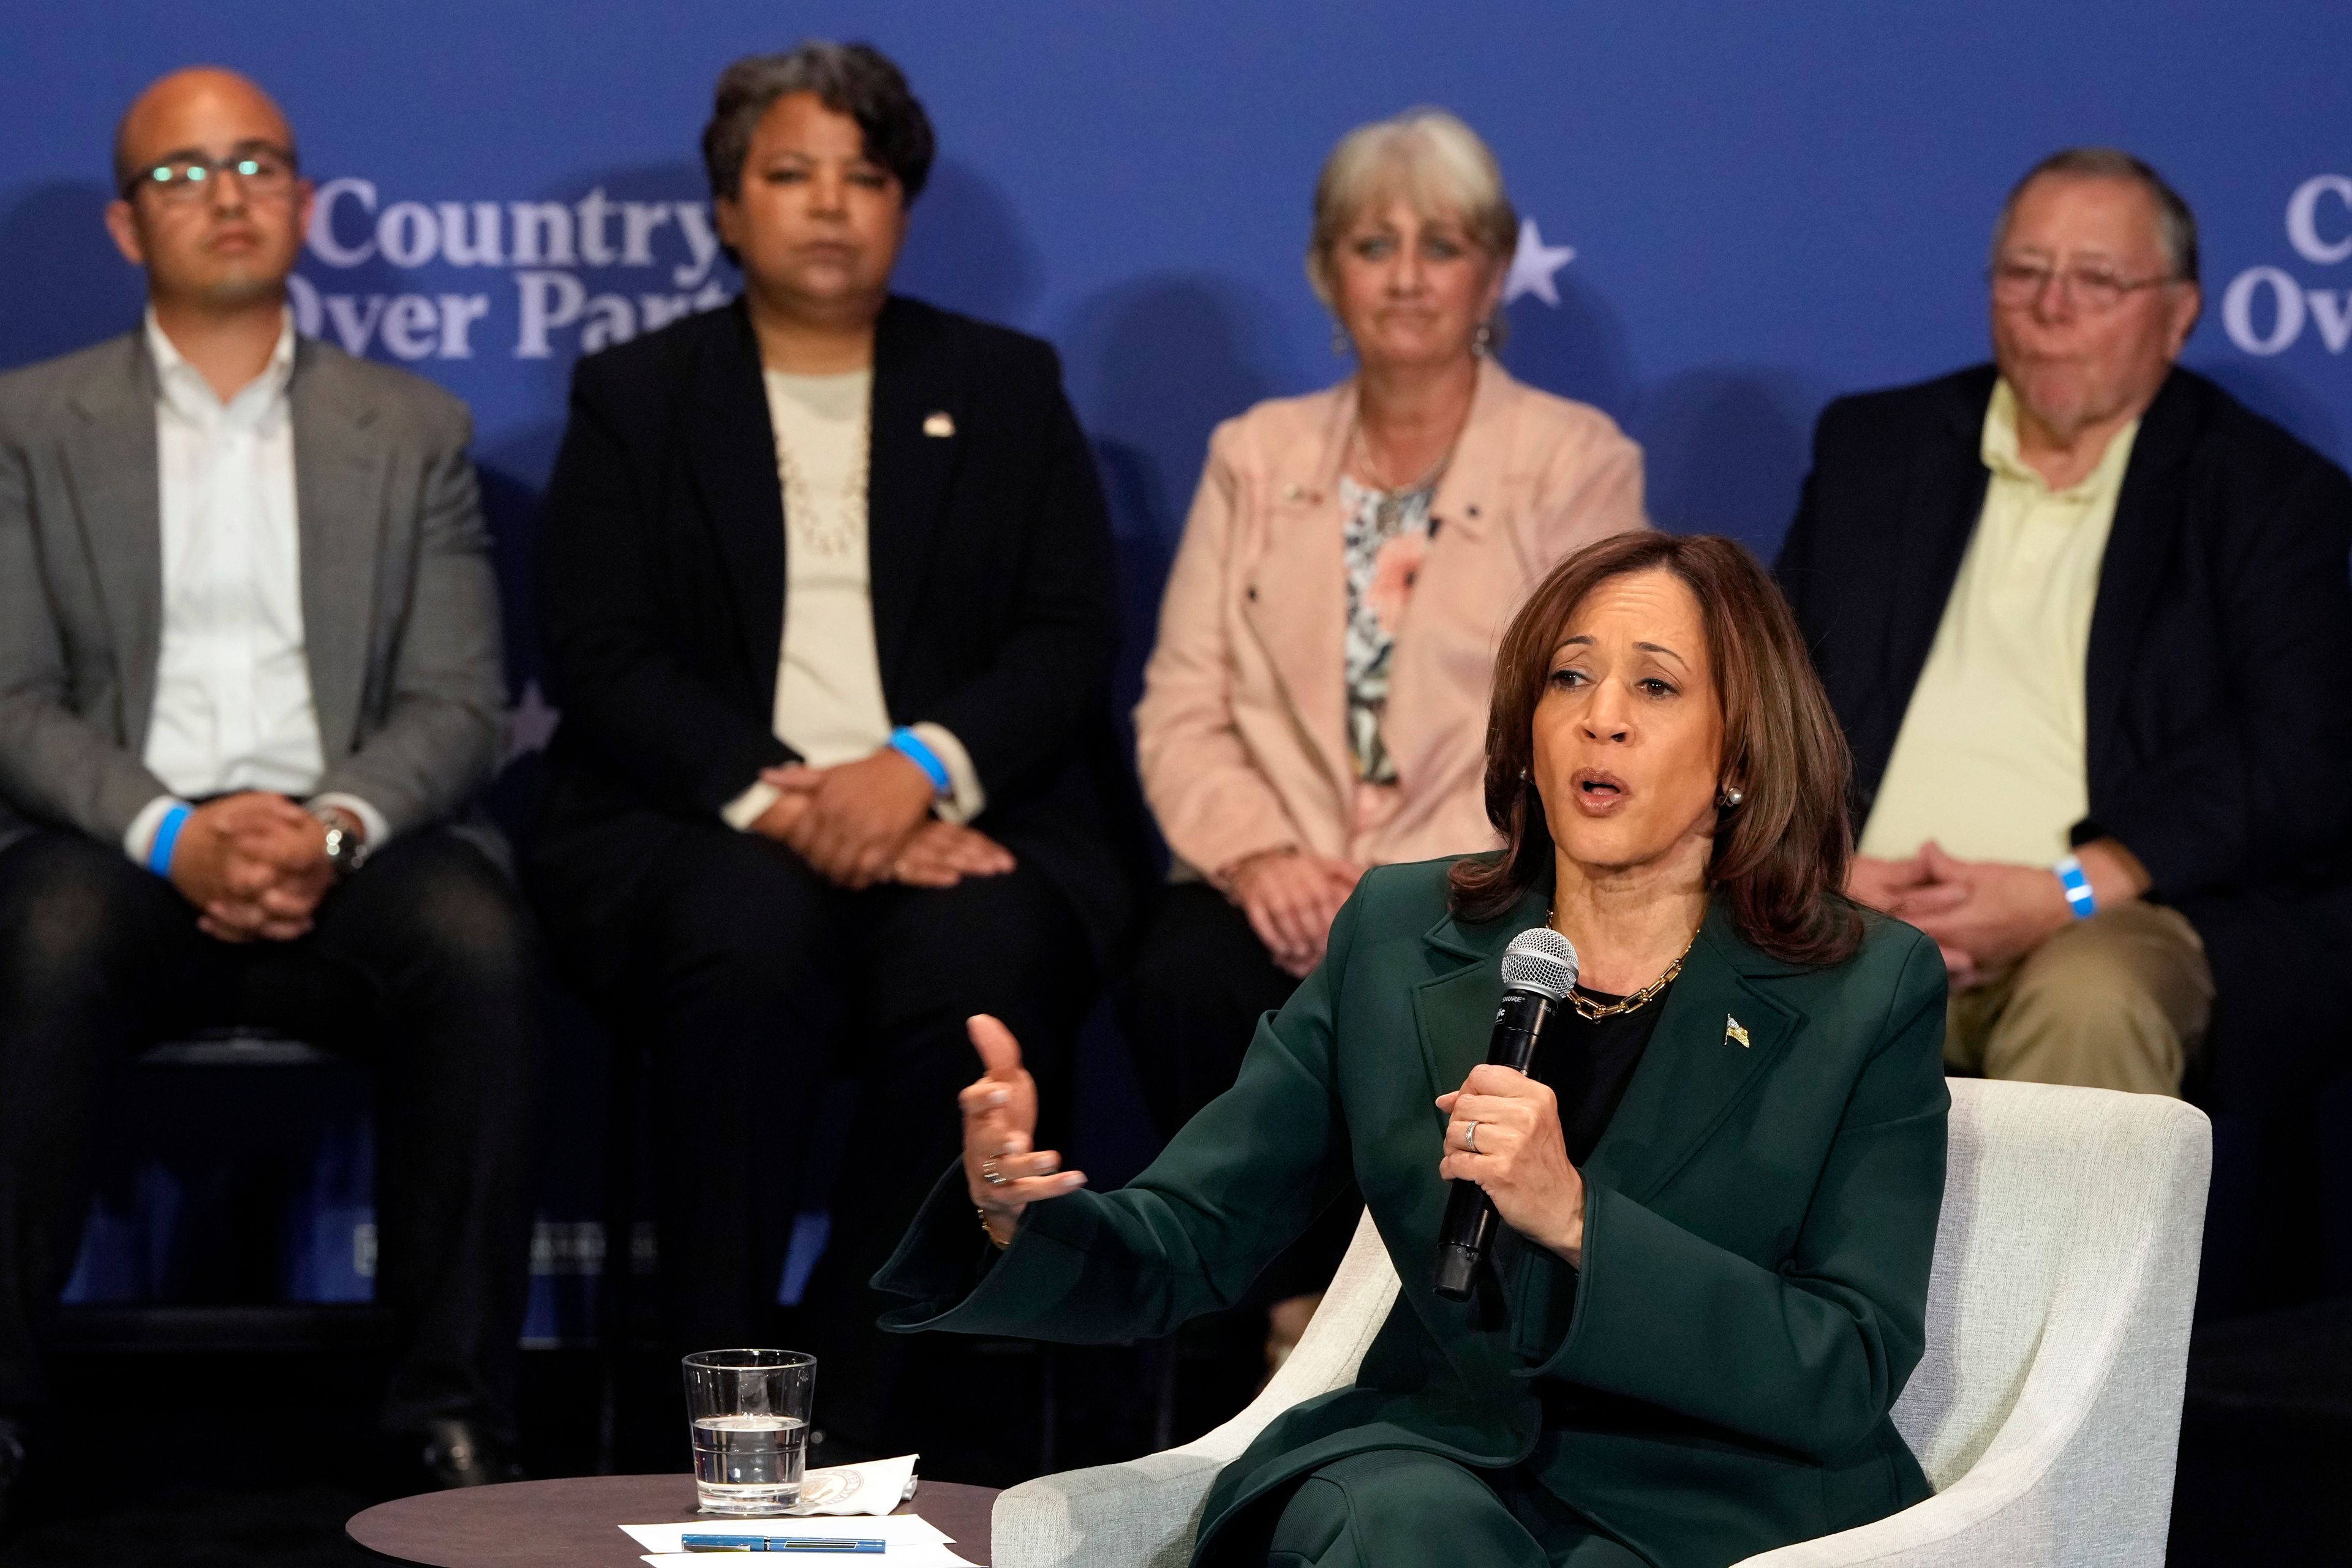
1483 343
1730 797
1340 341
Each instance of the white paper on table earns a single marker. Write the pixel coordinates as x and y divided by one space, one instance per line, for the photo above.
872 1489
922 1554
906 1533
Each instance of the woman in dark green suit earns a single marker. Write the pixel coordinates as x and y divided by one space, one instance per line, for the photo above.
1720 1184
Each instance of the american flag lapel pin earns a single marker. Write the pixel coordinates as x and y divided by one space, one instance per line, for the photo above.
1732 1031
938 424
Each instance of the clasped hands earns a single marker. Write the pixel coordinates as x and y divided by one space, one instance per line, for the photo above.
1983 914
255 866
1290 897
870 821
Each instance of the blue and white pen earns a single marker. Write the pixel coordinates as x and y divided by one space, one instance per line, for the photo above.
778 1543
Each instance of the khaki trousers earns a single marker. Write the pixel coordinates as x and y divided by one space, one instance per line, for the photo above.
2117 1001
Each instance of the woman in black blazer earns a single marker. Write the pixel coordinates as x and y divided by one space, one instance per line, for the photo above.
827 595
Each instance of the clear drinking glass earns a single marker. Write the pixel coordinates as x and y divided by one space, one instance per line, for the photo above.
749 1411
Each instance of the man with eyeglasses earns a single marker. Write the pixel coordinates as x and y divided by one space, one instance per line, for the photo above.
2085 618
250 682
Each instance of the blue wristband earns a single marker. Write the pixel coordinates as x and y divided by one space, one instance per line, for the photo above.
2077 885
167 838
910 745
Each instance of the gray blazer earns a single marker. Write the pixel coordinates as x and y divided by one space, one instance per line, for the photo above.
400 611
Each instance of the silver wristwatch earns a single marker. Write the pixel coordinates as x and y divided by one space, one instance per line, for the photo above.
346 847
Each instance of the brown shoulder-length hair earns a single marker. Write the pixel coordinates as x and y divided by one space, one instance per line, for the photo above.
1781 854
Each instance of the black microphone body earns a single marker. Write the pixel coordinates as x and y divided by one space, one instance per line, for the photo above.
1470 1217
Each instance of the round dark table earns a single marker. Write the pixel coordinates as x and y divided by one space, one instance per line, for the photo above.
575 1523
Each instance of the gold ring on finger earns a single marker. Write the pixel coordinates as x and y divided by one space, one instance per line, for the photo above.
990 1175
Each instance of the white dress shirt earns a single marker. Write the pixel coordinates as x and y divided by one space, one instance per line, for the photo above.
829 705
233 708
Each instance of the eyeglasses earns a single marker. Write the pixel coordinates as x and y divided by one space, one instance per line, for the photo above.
265 173
2095 290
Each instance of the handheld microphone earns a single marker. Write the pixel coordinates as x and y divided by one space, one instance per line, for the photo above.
1538 972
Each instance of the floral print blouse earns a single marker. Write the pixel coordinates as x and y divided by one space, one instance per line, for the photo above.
1386 539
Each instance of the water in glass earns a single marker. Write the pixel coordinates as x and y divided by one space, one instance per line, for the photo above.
749 1464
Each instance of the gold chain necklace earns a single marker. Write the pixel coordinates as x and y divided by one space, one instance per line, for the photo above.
1594 1011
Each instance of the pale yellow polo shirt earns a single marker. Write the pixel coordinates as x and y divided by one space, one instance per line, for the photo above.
1990 761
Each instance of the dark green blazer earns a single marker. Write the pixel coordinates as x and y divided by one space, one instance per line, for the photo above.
1759 1218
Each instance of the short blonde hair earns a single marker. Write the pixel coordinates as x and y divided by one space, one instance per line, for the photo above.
1428 156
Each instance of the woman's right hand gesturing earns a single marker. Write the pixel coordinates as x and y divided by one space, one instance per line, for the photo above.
1000 1119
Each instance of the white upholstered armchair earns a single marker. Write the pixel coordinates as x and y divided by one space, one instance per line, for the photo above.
2046 1412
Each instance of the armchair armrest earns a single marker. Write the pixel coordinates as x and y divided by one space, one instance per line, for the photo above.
1144 1513
2080 1468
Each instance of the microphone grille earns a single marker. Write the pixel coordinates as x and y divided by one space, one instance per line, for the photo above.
1541 960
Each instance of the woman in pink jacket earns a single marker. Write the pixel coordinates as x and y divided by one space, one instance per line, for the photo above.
1316 701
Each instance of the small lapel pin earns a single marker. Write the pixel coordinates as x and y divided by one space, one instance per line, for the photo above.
1732 1031
938 424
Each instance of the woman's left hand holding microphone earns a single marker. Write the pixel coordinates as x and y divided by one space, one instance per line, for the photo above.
1004 1174
1502 1132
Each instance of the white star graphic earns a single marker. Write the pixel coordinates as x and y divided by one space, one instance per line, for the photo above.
532 725
1533 263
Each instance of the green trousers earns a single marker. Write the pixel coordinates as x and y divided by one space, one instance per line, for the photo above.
1395 1507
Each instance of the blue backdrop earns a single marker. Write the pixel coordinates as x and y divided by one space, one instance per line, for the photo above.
1737 211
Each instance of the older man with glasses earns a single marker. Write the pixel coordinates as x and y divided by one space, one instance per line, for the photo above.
249 683
2085 618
